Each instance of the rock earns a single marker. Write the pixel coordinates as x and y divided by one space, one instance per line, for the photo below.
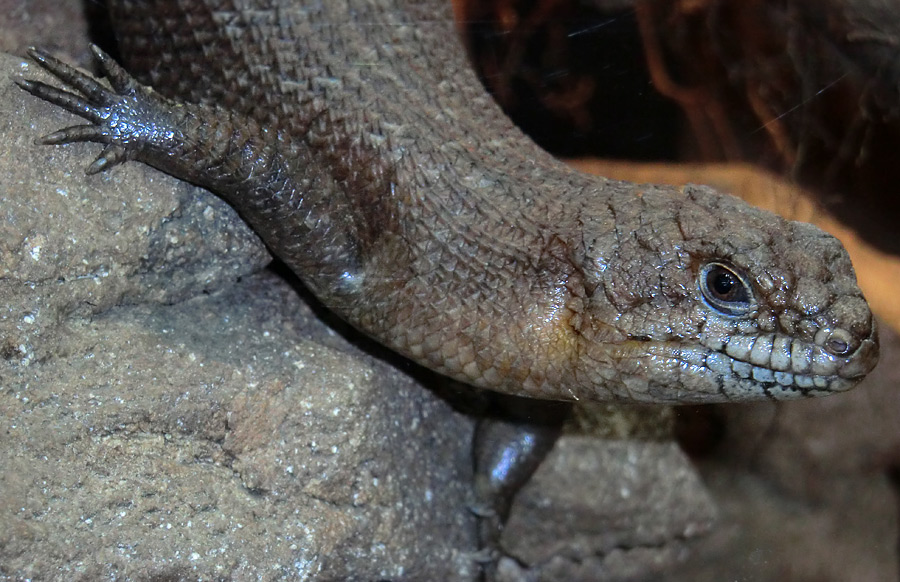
60 26
624 510
72 245
214 438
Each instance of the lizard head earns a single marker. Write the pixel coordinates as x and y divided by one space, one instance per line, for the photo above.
712 300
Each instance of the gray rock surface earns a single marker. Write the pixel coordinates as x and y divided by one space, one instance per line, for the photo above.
625 512
169 412
75 246
216 438
57 25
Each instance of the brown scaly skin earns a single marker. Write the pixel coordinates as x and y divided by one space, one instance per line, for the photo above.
371 161
356 141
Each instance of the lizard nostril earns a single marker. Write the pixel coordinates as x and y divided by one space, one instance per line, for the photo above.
837 347
838 342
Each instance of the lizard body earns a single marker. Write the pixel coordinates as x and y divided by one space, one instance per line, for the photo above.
357 142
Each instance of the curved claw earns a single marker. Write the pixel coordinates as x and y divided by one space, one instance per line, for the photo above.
95 92
112 155
122 82
75 133
482 510
483 556
69 101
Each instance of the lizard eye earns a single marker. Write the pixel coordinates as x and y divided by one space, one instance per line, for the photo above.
726 289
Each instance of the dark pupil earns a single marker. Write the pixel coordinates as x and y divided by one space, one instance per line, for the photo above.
723 283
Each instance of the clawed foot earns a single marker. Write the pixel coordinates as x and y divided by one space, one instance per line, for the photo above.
123 118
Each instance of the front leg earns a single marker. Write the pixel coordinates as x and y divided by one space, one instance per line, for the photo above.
511 442
270 178
134 122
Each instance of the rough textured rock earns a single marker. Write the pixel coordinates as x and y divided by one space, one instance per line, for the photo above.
217 438
625 512
169 414
74 246
58 25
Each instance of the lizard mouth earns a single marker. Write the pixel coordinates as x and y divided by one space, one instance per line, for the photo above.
751 367
782 367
